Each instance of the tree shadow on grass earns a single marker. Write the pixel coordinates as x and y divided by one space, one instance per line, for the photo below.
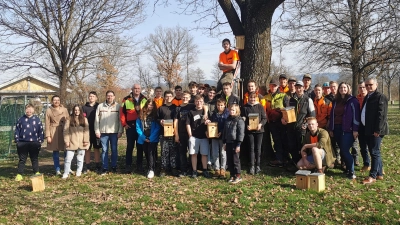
25 188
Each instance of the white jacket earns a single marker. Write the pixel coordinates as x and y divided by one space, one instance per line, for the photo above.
107 119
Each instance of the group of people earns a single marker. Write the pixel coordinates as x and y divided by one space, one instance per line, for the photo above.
328 121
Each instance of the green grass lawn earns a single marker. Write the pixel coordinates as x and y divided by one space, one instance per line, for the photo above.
269 198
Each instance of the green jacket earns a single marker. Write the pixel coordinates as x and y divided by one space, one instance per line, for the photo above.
324 142
273 103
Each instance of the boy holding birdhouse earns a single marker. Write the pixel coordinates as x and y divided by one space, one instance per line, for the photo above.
219 117
166 114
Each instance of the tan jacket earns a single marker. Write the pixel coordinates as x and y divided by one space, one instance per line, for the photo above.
107 119
76 136
324 142
55 120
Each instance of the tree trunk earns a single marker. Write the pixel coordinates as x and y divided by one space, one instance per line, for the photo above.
255 24
356 78
63 85
256 56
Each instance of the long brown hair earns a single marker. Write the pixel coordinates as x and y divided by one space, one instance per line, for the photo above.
338 96
144 110
81 118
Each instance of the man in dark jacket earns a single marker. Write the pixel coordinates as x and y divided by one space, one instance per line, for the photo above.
304 107
228 95
89 111
374 127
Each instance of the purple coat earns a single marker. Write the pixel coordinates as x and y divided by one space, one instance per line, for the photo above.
351 115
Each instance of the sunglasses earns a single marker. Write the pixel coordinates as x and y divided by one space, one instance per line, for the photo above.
369 85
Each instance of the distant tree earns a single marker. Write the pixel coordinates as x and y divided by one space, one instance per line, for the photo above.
198 75
390 74
51 34
107 75
216 73
169 48
355 35
144 77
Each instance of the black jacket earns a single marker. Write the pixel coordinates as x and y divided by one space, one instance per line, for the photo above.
232 99
233 130
304 107
257 108
375 114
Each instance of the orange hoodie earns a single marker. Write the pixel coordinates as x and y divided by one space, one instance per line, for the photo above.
322 111
360 99
259 99
159 102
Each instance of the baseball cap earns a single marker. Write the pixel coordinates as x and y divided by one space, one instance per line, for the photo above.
326 84
274 82
299 83
307 75
292 79
200 85
283 76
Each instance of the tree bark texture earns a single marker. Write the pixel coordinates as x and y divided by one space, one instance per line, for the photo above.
255 24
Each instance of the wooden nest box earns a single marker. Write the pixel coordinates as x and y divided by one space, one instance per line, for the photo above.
239 42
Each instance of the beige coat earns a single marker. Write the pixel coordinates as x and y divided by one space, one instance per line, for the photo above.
55 120
107 119
76 136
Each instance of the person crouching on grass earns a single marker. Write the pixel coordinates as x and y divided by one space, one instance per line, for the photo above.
198 142
232 137
29 138
316 152
76 138
148 130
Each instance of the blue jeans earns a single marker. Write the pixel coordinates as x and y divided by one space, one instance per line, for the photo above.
374 145
362 139
112 140
56 159
131 138
345 141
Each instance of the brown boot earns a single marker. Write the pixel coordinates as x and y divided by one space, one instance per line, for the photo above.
222 174
217 173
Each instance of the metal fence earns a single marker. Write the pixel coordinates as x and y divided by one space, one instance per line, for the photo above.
11 109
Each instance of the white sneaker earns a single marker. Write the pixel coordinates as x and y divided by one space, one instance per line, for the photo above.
65 176
150 174
78 174
58 173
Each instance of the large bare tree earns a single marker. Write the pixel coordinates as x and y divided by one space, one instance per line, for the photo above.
355 35
51 34
250 18
169 48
